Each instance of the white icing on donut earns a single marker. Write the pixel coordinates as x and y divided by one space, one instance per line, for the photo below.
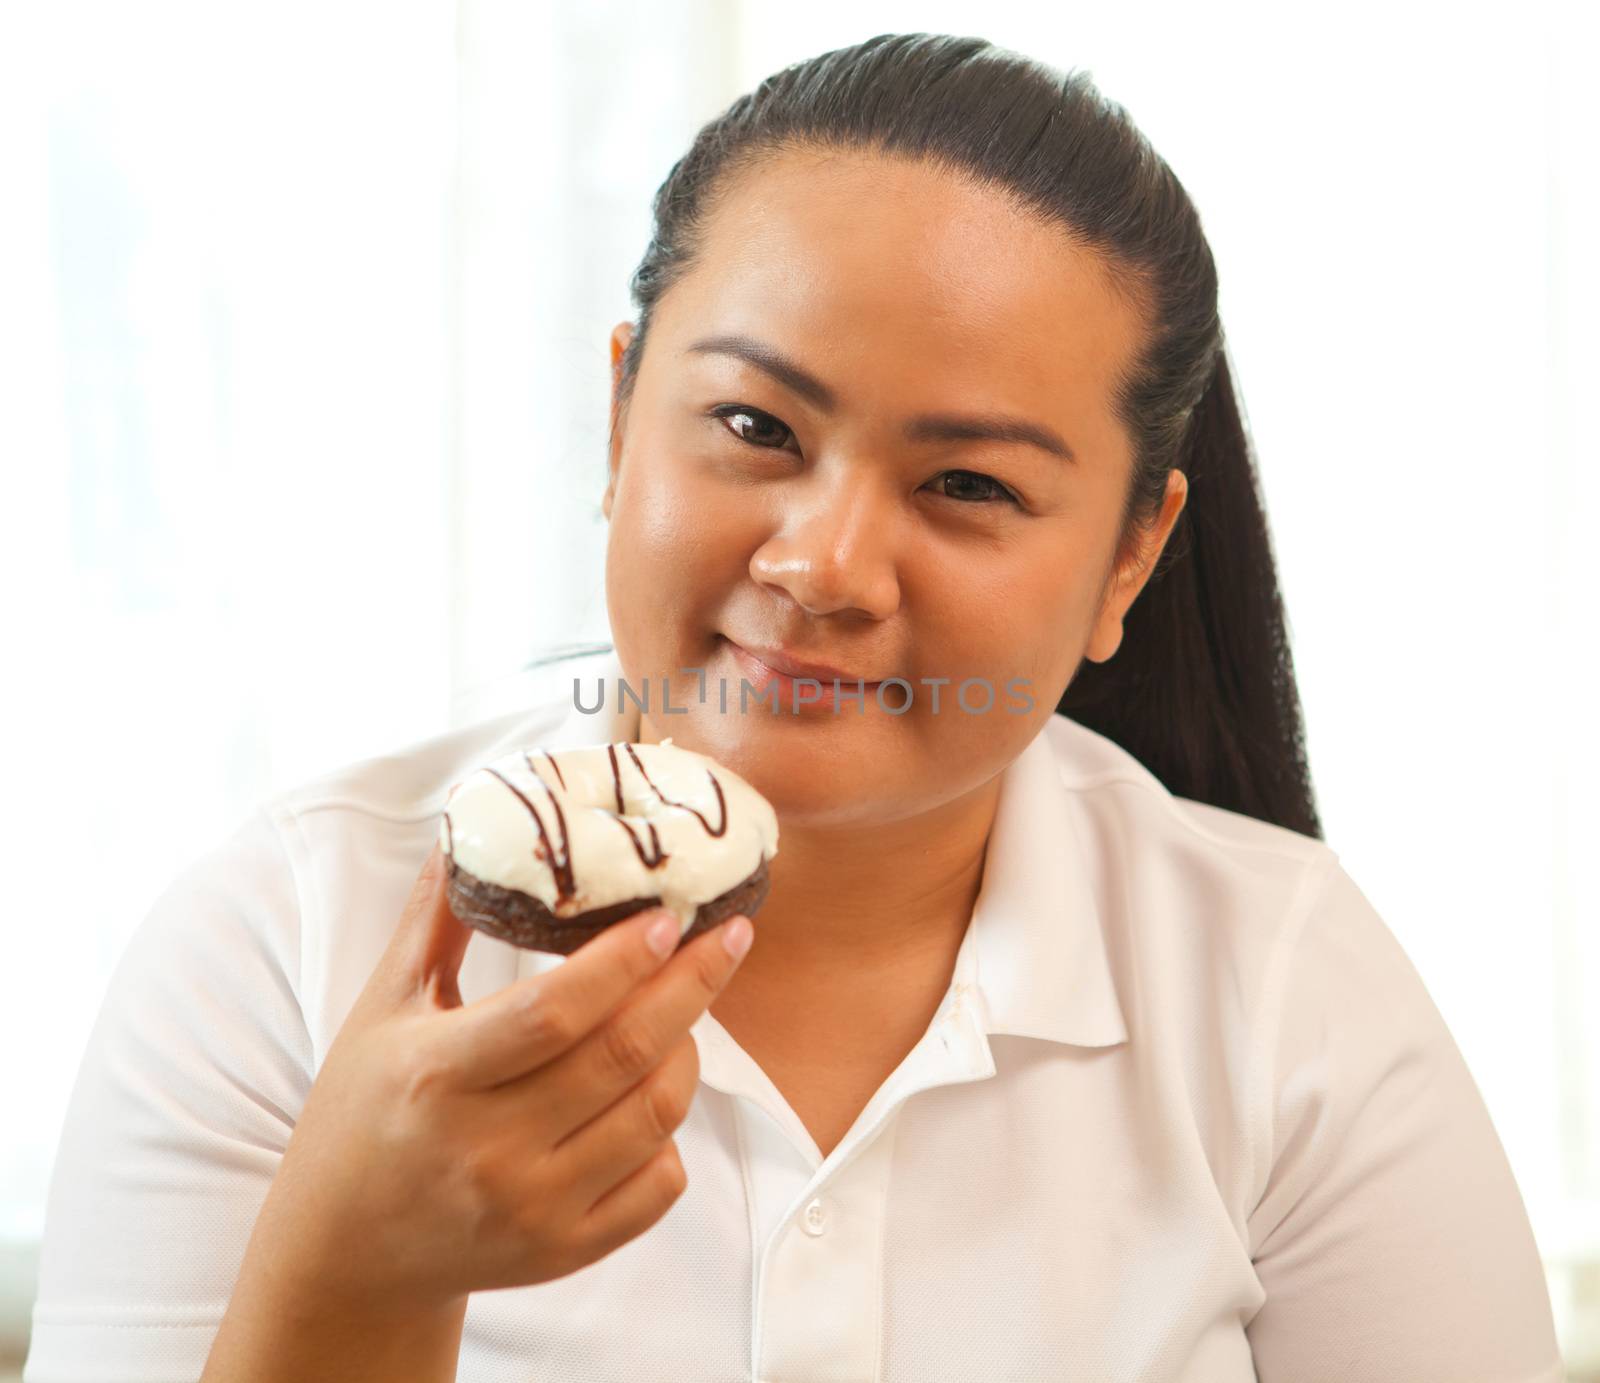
537 818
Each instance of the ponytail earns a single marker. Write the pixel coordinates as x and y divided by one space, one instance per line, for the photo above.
1202 690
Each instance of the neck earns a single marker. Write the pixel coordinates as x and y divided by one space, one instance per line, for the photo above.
845 902
865 902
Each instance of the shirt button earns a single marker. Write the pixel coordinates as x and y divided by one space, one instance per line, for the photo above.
815 1219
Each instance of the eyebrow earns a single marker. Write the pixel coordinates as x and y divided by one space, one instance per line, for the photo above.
925 427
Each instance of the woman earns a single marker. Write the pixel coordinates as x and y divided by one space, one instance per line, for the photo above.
1067 1049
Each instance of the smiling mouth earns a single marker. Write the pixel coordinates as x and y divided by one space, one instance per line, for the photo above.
756 665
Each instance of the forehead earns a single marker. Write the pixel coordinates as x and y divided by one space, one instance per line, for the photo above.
882 269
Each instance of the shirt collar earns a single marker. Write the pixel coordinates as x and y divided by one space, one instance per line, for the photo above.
1042 966
1035 953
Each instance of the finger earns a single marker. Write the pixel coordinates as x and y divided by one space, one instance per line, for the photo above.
630 1044
621 1139
523 1026
626 1211
429 941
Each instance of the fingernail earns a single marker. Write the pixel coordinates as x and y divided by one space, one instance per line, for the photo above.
662 937
737 934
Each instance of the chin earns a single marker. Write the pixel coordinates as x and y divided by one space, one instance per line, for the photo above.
791 766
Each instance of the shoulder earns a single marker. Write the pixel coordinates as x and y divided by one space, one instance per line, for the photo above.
1199 906
1162 841
1200 903
1247 946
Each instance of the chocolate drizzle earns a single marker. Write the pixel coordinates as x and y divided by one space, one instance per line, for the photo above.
556 766
622 821
721 800
655 843
560 866
616 776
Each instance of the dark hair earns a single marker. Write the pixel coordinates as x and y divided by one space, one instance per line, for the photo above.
1202 689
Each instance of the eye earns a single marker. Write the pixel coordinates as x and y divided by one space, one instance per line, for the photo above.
996 491
991 490
754 417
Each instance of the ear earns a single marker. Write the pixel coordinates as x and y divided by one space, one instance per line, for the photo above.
1126 584
621 335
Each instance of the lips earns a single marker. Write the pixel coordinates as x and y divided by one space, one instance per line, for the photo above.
791 666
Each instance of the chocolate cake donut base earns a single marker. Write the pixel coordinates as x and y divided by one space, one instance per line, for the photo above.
512 915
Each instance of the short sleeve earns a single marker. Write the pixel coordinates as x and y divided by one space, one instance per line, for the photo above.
1391 1239
196 1069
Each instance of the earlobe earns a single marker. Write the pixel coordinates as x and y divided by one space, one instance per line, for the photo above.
1104 642
1131 578
621 336
1106 636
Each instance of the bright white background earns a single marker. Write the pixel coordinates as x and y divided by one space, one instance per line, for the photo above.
303 398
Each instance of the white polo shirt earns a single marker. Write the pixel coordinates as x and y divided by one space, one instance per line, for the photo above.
1187 1113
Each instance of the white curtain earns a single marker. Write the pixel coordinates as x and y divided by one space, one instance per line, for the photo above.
303 403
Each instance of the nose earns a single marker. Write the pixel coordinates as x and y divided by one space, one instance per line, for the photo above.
833 551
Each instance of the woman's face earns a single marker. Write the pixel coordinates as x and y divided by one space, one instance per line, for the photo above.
751 508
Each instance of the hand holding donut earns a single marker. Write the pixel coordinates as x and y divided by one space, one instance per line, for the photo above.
448 1148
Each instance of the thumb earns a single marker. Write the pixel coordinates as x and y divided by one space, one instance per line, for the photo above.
430 940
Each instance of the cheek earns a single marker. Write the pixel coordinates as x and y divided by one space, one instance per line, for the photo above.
1021 614
670 539
656 509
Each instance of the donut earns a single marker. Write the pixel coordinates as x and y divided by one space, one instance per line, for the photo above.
547 848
